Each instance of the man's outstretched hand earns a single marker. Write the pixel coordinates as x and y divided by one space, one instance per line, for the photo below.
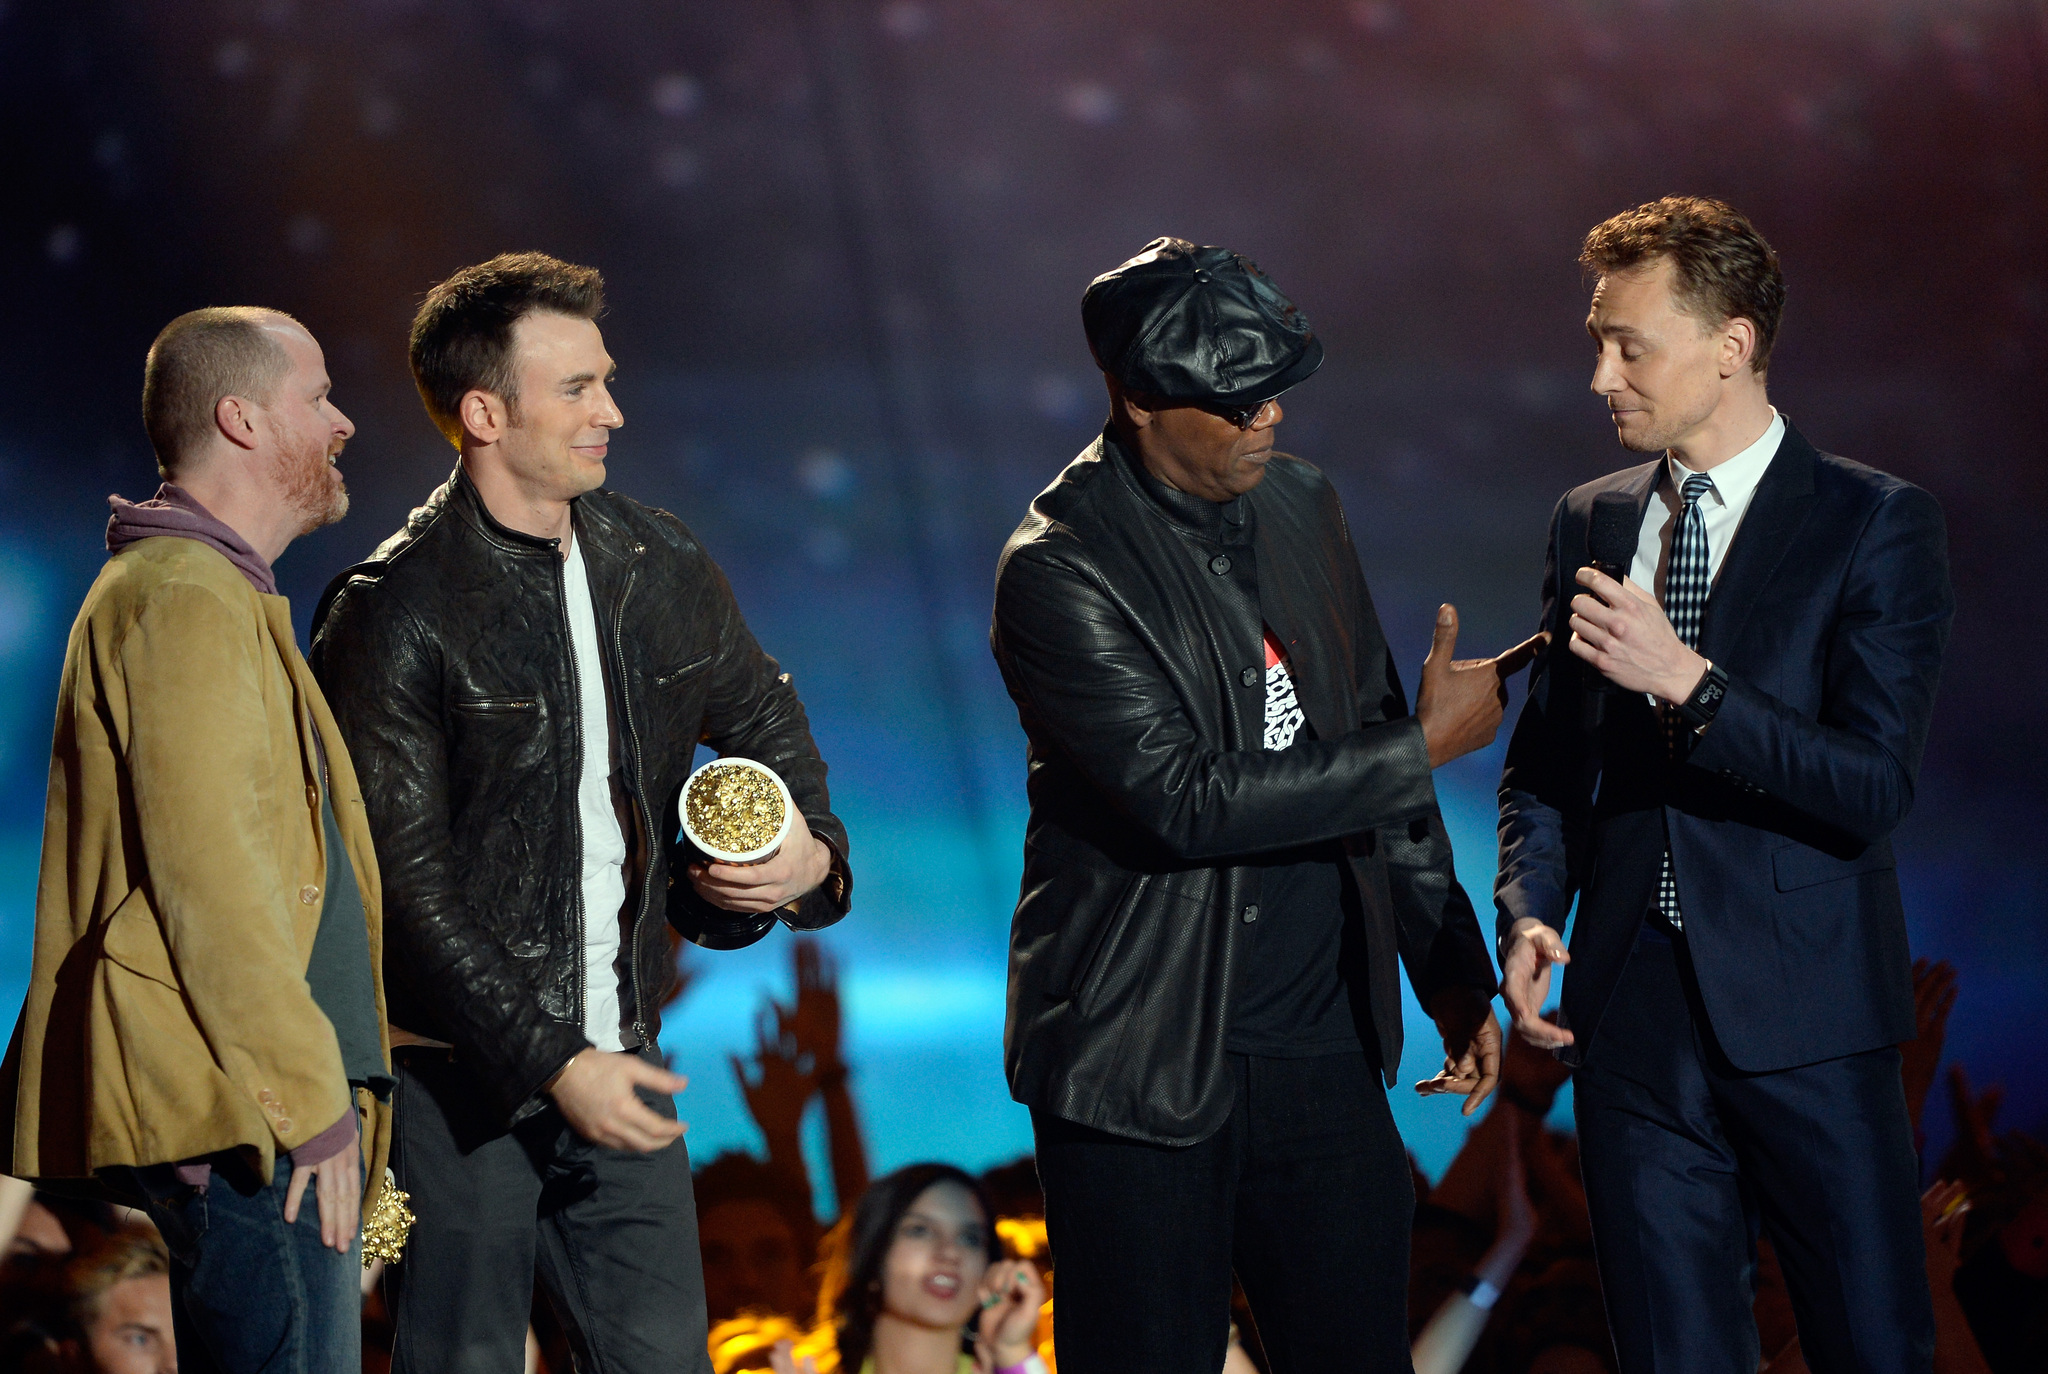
1533 949
595 1093
1460 702
1464 1016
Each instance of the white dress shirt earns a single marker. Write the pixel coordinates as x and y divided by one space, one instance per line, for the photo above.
604 844
1722 509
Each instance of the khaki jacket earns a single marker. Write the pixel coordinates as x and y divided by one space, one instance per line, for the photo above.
183 871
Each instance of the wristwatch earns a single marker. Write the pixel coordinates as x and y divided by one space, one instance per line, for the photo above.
1698 709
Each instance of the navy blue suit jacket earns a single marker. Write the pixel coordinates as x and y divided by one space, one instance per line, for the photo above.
1829 616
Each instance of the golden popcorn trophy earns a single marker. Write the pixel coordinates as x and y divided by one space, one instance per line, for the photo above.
736 810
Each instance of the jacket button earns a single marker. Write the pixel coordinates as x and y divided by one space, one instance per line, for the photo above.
1249 677
284 1123
1251 913
312 796
309 894
1220 564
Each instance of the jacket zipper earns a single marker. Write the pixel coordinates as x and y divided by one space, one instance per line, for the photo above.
576 811
639 795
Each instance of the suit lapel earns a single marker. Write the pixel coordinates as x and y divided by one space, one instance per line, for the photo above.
1642 488
1781 504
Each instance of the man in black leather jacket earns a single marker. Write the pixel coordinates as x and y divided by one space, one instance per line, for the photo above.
1234 839
523 674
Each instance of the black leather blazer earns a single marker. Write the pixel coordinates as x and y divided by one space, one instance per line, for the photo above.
1128 630
446 660
1830 617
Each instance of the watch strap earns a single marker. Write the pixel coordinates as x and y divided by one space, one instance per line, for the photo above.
1698 710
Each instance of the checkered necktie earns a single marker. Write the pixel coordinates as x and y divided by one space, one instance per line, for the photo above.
1685 597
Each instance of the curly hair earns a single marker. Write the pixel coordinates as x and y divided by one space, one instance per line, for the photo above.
1723 267
462 335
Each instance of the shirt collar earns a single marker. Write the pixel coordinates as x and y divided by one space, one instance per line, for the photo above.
1735 480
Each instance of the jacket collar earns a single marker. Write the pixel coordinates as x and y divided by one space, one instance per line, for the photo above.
464 499
1228 523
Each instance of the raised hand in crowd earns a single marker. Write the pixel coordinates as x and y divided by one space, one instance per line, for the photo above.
816 1022
1007 1332
1459 702
1942 1211
1934 996
780 1086
1446 1343
1973 1158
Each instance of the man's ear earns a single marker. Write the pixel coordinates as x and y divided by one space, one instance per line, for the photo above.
1127 413
1738 344
483 415
235 418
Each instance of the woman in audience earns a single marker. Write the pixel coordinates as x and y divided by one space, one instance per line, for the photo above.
915 1280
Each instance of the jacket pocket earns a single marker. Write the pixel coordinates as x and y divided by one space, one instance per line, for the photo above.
1797 865
670 676
495 706
133 939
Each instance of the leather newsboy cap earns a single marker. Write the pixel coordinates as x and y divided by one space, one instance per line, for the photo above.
1197 323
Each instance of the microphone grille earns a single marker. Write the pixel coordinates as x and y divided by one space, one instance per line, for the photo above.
1611 534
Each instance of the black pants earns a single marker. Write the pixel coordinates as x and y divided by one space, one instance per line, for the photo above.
1305 1192
1684 1156
611 1234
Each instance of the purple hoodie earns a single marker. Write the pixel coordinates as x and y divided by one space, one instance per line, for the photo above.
172 511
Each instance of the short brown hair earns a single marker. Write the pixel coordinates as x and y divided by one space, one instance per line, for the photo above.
88 1275
462 335
203 355
1724 268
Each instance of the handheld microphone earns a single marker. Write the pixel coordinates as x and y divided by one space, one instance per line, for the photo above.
1611 536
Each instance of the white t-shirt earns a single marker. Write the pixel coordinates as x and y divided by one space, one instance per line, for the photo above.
604 844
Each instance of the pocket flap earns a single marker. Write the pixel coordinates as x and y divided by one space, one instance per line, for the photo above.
1799 865
135 941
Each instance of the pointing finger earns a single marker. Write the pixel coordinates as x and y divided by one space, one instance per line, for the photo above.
1519 657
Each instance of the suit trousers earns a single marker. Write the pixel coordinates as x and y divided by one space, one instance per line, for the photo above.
1305 1192
611 1235
1685 1156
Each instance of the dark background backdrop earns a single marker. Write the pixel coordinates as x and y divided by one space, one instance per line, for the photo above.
846 243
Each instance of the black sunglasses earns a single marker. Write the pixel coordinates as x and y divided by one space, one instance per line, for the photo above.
1244 417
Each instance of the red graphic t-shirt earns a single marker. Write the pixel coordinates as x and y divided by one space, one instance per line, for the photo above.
1284 716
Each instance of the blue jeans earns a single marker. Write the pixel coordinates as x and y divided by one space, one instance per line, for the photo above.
250 1292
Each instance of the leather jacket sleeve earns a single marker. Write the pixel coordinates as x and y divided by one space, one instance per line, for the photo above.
1096 683
378 671
752 711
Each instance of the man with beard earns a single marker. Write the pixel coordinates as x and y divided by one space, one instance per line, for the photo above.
1714 754
524 673
1234 846
204 1020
